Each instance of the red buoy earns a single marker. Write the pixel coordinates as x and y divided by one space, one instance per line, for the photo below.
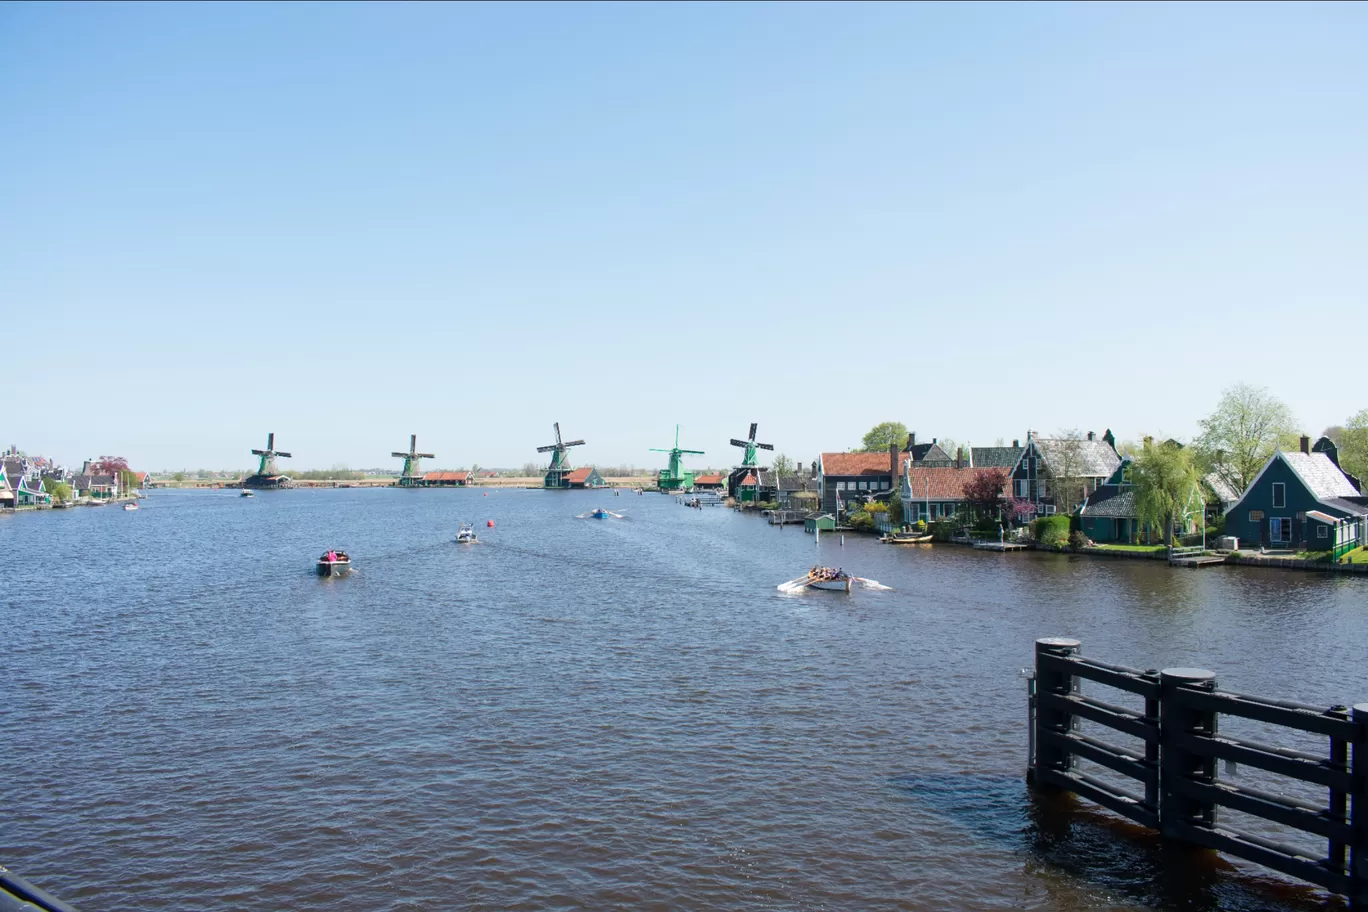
490 523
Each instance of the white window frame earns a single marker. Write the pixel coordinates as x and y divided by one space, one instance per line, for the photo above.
1279 495
1322 531
864 485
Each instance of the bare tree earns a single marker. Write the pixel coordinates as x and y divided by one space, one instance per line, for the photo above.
1237 438
1064 474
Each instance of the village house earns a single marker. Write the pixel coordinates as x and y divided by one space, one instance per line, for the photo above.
444 479
711 482
931 493
585 477
94 487
1300 501
1108 514
1078 465
844 479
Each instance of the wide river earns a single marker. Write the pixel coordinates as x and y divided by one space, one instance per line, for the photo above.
581 714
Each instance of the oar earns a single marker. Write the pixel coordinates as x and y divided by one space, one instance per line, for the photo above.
805 578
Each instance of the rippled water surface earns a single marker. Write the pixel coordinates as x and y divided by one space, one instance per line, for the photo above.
580 714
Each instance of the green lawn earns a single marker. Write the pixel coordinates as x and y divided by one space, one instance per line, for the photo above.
1357 556
1134 549
1312 555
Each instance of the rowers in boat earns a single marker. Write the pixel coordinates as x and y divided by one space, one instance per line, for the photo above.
599 513
833 578
333 563
466 534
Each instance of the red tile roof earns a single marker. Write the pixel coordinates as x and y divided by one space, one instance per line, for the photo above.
948 483
708 479
447 476
856 464
579 476
749 479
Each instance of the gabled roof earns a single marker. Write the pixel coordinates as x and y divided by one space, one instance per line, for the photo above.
947 483
856 464
749 479
447 476
580 475
1111 503
1097 459
1223 491
708 479
14 468
1354 506
994 457
1322 517
1320 475
779 483
927 452
141 476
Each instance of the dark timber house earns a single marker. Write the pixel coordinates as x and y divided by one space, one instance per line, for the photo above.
1300 501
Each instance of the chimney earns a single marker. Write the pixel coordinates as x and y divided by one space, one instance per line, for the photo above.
1016 443
1091 436
911 440
1306 444
959 458
800 468
934 441
893 458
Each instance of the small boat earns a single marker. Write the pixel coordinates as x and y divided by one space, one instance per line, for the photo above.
826 578
906 539
334 563
466 534
247 493
130 506
599 513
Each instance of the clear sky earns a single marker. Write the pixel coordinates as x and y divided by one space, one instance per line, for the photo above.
348 223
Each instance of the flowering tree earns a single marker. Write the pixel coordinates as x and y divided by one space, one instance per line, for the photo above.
984 491
110 465
1018 509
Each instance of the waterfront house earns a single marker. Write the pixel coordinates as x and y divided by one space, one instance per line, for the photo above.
6 492
994 457
443 479
930 455
780 489
934 493
1299 501
1058 473
95 487
711 482
747 485
1108 513
585 477
844 479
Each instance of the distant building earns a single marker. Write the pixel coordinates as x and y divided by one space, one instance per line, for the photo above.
1086 462
446 479
712 482
585 477
846 479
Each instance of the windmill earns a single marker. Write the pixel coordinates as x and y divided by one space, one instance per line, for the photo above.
676 477
557 476
410 478
267 475
749 464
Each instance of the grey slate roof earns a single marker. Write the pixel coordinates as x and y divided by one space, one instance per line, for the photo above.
767 479
1097 458
14 469
928 452
1118 506
1354 506
1223 491
1321 476
995 457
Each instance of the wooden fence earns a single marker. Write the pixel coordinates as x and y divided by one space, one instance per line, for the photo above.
1170 780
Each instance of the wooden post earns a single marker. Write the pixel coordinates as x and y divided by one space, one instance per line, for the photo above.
1358 814
1338 808
1051 757
1178 721
1152 747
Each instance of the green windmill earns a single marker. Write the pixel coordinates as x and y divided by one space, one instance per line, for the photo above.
744 479
410 478
676 477
267 475
558 474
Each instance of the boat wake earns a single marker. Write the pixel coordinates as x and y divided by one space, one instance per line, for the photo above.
873 584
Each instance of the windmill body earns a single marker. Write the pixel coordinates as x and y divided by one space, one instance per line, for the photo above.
744 478
410 477
558 473
267 475
676 478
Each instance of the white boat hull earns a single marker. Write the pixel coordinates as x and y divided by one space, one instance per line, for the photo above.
832 585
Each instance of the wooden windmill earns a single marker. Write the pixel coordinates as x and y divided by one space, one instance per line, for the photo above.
557 476
267 475
743 479
410 478
676 477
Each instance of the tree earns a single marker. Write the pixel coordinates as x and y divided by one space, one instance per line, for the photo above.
984 492
783 466
881 435
1164 477
128 480
60 491
1238 437
1065 468
178 476
110 465
1353 445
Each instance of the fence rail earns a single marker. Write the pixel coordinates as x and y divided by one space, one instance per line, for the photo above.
1175 766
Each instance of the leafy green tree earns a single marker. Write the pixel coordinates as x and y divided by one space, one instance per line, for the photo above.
1164 477
883 434
60 491
783 466
1238 437
1353 445
178 476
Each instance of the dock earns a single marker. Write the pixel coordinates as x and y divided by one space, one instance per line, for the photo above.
1000 546
1197 560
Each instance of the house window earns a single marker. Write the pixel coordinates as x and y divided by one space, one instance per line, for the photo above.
935 511
948 510
1021 484
1280 529
1279 494
1322 532
840 485
864 486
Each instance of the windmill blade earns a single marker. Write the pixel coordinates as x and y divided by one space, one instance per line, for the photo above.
258 452
654 450
426 455
573 443
695 452
754 426
558 436
283 453
765 446
401 455
270 440
413 442
741 443
547 449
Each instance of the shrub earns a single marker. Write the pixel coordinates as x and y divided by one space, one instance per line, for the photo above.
860 522
1078 540
876 507
1051 530
920 525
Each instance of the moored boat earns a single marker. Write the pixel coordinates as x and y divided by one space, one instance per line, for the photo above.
906 539
334 563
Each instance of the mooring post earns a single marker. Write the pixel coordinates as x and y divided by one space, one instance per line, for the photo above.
1358 813
1152 746
1050 682
1178 723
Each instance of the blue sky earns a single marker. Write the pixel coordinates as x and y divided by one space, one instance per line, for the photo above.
349 223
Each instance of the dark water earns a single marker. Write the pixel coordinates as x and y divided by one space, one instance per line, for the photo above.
580 714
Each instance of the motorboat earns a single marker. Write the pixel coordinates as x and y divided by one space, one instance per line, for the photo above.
897 539
466 534
334 563
247 493
130 506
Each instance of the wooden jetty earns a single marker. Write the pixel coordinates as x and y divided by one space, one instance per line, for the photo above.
1000 546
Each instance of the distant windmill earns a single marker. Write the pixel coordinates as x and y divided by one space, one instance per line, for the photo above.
409 477
557 476
267 475
676 477
750 446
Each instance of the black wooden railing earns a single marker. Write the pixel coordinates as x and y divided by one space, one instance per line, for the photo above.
1174 767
